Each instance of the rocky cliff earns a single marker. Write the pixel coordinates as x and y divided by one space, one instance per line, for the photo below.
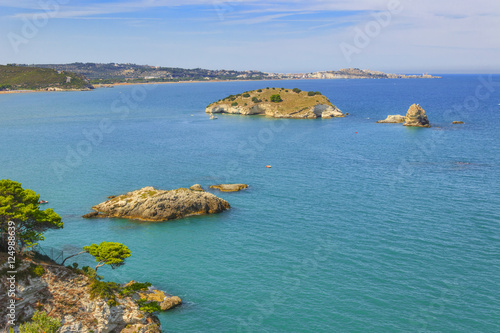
63 294
416 117
277 103
149 204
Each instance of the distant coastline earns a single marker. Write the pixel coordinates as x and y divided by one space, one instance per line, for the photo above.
111 85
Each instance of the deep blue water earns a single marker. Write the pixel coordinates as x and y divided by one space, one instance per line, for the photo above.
357 226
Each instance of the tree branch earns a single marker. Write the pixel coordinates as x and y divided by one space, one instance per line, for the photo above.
71 256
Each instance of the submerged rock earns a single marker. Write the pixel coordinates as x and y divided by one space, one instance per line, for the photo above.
91 215
393 119
229 187
416 117
149 204
458 123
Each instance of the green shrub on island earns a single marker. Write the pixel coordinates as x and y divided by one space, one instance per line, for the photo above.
296 90
246 95
276 98
311 93
256 100
234 104
260 90
5 87
40 322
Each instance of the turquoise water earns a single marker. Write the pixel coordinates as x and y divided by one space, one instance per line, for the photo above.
357 226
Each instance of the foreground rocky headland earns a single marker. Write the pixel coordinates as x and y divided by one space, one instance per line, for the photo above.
415 117
79 302
277 103
150 204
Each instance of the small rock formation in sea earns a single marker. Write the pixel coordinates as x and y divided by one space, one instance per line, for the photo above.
277 103
416 117
229 187
393 119
149 204
166 301
458 122
196 187
64 294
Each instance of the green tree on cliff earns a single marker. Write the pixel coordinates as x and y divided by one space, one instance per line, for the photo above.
21 206
108 253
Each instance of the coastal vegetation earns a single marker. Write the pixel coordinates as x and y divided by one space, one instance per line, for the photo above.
45 286
34 78
20 215
40 322
108 253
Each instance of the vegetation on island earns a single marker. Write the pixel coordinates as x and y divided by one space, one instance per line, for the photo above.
289 99
34 78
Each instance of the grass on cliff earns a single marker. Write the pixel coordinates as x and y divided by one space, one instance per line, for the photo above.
290 100
33 78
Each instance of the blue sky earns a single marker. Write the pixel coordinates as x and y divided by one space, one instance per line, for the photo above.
402 36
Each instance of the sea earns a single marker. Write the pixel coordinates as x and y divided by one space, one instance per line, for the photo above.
356 227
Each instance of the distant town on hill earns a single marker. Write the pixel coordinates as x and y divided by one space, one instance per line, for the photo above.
111 73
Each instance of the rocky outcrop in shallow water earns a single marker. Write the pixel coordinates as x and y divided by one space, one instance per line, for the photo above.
416 117
229 187
150 204
393 119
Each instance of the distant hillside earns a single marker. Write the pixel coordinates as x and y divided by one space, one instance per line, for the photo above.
112 73
33 78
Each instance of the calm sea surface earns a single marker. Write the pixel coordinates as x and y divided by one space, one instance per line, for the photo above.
357 227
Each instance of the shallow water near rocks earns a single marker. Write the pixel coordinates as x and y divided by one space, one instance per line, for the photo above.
357 226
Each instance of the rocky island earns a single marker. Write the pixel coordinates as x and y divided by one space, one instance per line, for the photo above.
415 117
150 204
277 103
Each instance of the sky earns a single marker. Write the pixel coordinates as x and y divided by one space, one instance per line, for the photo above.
396 36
